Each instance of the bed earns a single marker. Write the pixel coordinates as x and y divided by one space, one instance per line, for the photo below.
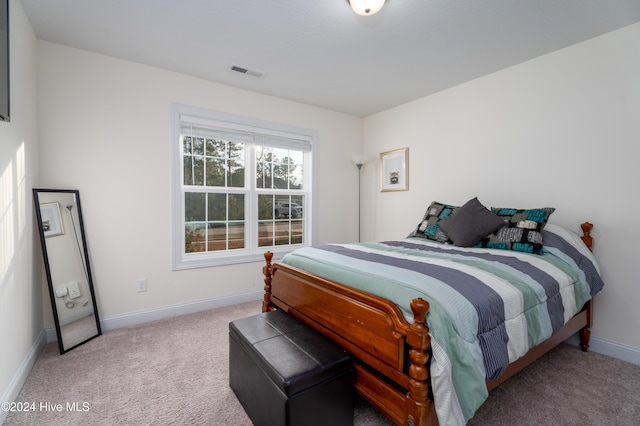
432 323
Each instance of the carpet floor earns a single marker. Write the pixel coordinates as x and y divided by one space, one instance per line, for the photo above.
175 372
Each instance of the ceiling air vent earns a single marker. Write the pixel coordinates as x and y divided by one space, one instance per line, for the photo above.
246 71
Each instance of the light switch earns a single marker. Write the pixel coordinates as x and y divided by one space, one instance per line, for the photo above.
74 290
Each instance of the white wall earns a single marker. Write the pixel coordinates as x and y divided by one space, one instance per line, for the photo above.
21 323
105 129
561 130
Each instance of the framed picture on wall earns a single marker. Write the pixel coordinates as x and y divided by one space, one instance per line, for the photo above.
394 170
51 219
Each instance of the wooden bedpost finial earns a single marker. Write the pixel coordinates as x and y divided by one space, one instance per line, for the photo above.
267 271
419 307
586 234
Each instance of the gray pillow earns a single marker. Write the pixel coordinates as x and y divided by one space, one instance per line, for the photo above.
470 223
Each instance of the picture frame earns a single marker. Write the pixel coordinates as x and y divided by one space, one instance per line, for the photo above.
394 170
51 219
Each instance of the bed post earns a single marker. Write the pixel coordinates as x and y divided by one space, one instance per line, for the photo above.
585 332
266 271
586 234
417 404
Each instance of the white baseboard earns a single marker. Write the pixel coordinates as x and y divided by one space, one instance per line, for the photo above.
610 348
124 320
113 322
615 350
12 391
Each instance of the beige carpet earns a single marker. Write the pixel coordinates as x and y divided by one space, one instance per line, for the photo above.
175 372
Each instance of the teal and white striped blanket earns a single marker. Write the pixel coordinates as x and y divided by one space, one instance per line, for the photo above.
488 307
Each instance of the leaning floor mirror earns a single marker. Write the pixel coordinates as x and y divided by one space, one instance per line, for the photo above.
66 262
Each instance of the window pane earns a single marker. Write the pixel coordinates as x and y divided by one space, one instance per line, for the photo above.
295 177
263 175
296 232
236 150
281 207
235 176
215 148
194 237
279 155
282 232
198 171
263 154
260 175
198 146
188 171
236 235
263 167
217 204
265 207
280 177
297 202
236 207
217 236
215 172
265 234
296 170
296 157
281 170
194 206
186 145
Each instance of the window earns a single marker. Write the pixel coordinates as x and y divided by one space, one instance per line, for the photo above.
241 187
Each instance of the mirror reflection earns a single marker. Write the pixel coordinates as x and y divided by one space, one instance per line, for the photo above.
66 262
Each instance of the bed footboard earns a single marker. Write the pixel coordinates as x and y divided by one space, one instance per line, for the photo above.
370 328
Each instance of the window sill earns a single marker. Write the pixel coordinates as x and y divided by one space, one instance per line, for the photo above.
207 261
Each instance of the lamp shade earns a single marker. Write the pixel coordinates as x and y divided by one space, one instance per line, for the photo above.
366 7
359 159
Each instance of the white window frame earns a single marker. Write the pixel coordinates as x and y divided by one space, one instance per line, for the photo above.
251 253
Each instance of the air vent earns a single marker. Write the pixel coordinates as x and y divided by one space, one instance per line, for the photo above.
246 71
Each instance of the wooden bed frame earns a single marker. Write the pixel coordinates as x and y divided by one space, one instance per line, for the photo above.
392 367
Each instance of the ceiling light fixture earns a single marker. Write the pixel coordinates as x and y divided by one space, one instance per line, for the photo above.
366 7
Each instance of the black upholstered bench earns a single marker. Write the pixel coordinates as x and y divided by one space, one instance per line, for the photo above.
285 373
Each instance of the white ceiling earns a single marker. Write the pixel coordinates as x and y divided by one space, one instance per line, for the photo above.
321 53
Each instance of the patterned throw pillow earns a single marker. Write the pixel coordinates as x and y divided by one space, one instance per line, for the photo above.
429 226
522 232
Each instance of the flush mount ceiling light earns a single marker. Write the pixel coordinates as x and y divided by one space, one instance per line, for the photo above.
366 7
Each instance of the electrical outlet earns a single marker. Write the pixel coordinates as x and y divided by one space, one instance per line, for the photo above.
141 285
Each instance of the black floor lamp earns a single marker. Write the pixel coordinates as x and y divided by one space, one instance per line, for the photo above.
359 160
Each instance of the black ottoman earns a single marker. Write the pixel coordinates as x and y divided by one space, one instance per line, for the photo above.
285 373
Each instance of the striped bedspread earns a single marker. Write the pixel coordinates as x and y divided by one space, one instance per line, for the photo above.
487 307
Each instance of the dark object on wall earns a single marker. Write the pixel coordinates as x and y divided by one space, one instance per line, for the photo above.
66 262
4 61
